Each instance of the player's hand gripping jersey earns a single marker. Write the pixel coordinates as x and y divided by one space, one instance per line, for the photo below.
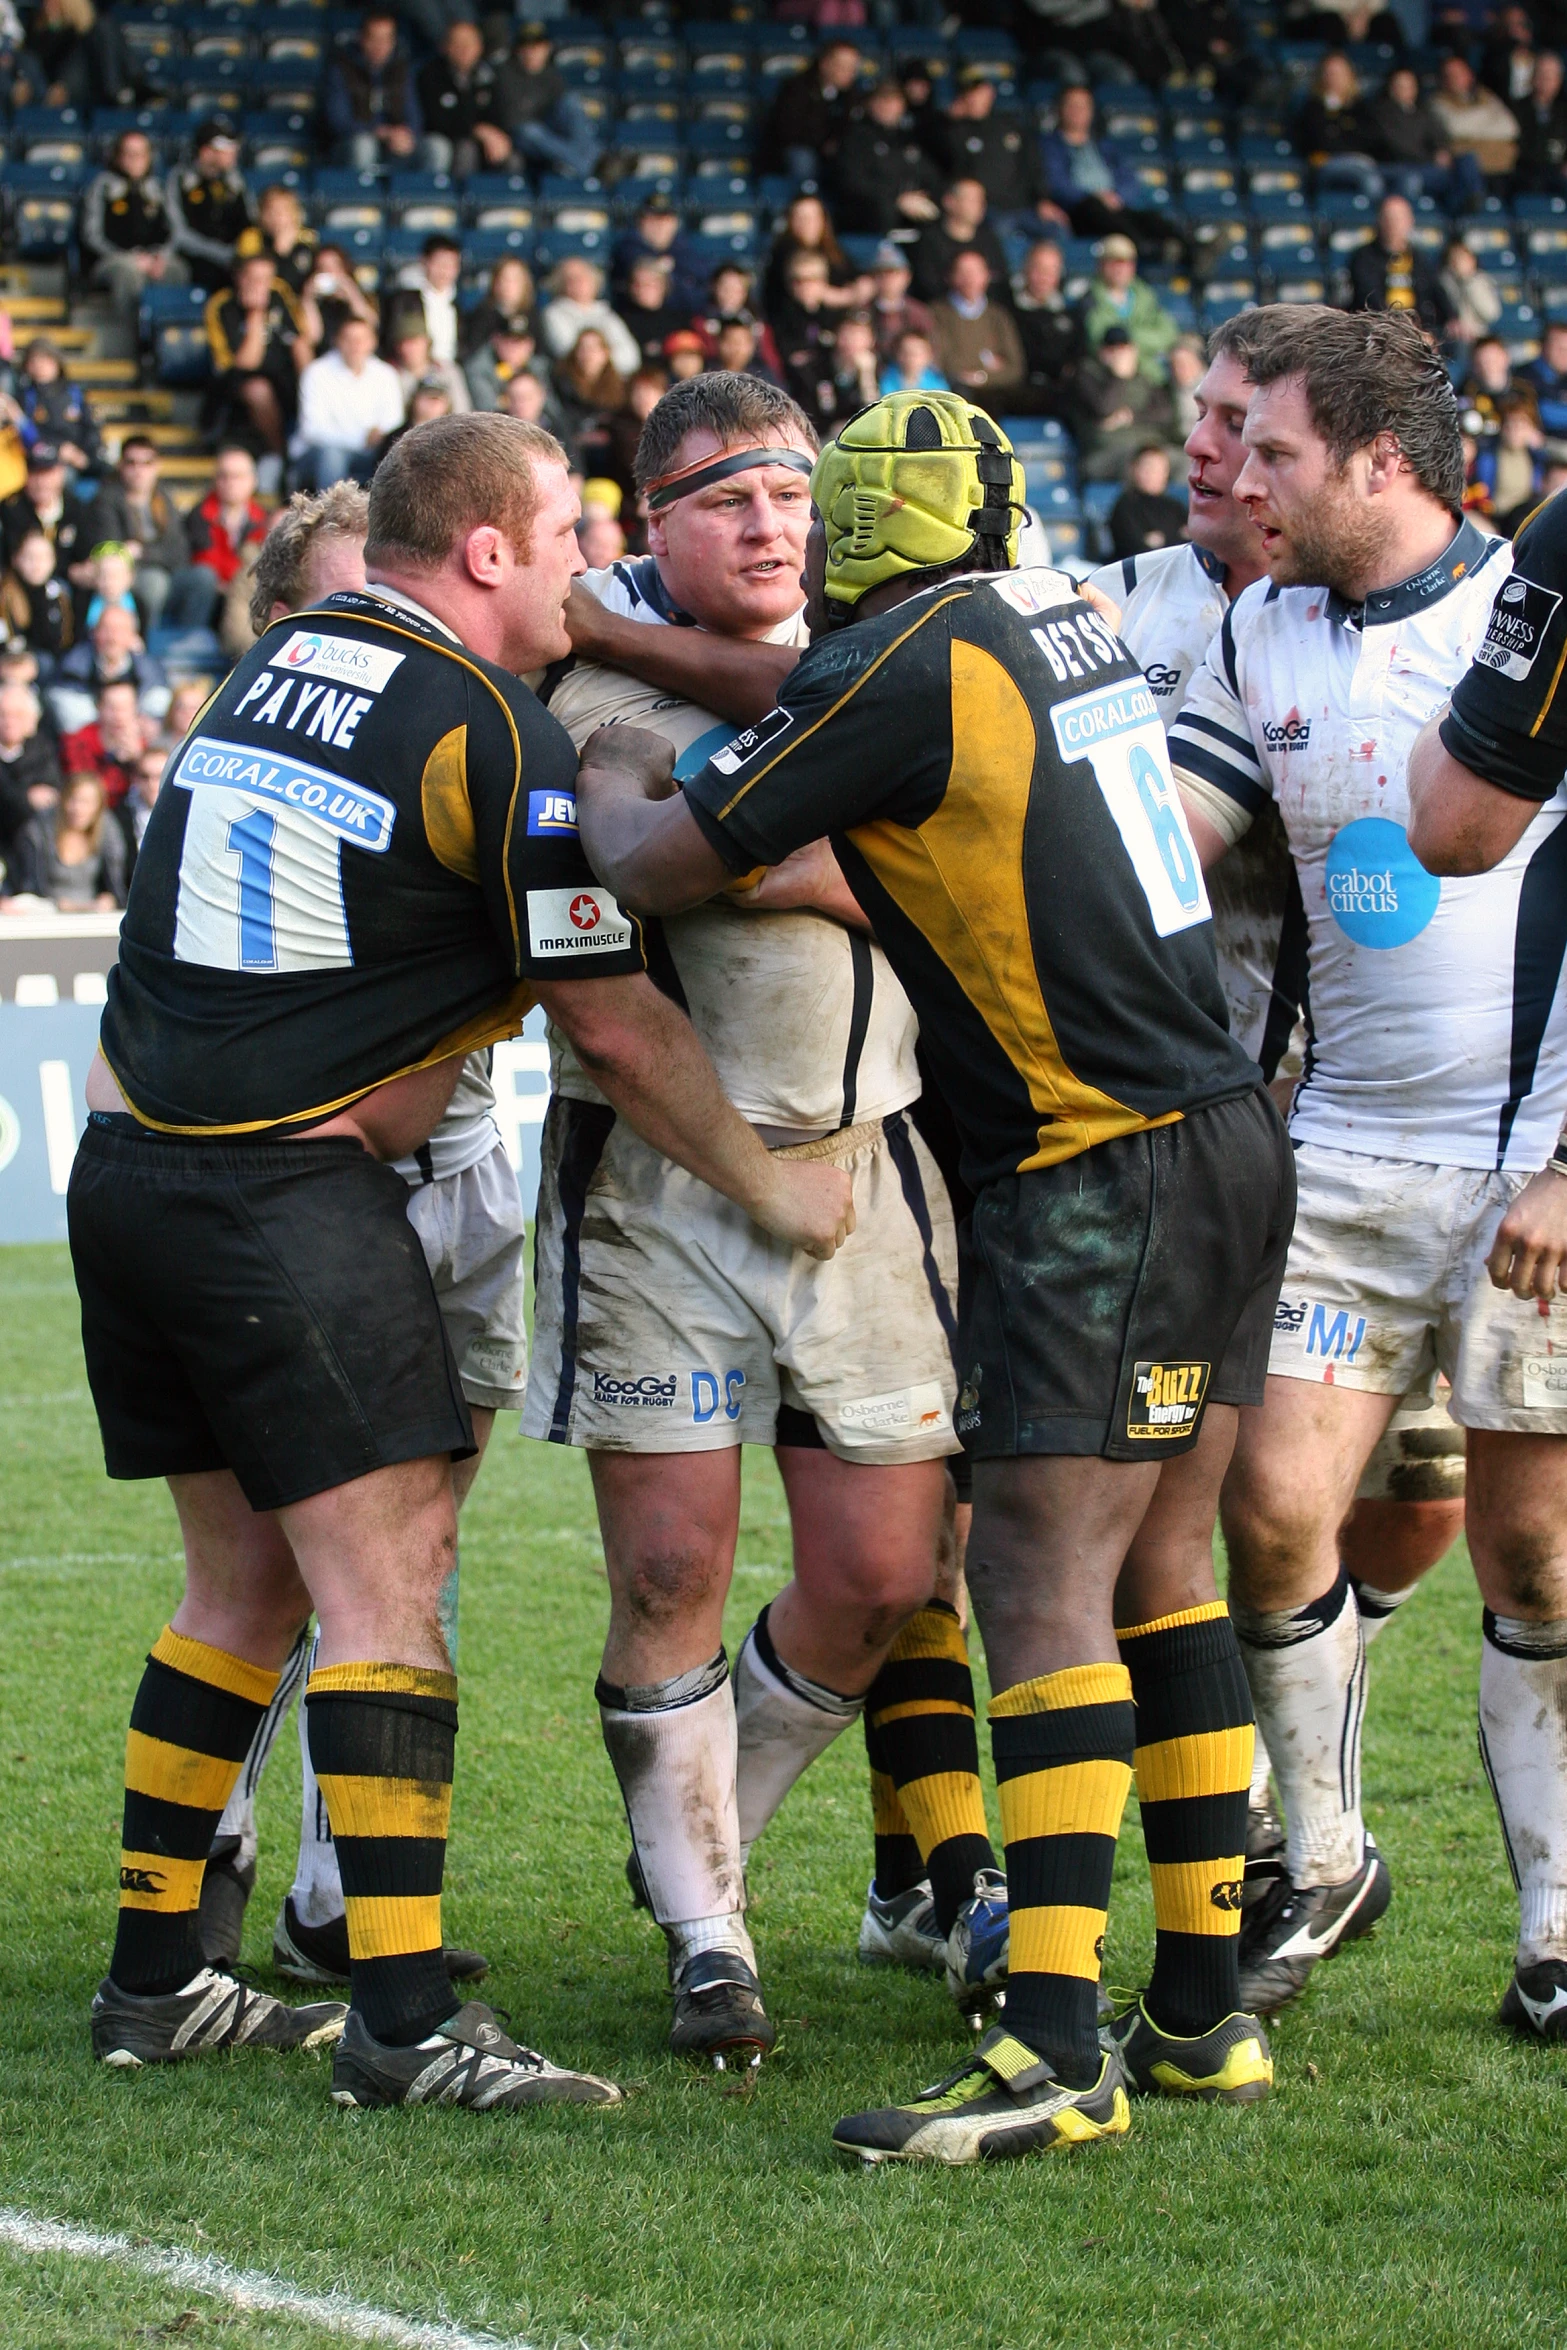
359 783
1025 861
1172 604
1437 1029
803 1020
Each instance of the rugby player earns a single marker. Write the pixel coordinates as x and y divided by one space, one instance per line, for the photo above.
1435 1081
668 1331
341 898
1408 1509
1478 777
465 1207
991 770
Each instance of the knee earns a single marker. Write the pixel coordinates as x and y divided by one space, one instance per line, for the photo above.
1521 1570
657 1586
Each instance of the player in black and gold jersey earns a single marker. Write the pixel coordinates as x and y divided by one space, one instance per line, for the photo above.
362 866
990 767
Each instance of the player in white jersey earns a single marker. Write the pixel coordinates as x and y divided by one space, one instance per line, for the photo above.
1436 1073
667 1333
1408 1508
464 1204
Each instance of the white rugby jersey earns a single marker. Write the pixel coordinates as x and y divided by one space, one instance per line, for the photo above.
1438 1032
1173 604
803 1019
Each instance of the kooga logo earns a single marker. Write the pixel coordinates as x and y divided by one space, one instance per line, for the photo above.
1293 735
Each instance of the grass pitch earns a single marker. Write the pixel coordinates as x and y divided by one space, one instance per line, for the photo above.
1404 2187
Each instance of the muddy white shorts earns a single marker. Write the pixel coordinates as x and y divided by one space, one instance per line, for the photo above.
664 1320
1386 1284
1420 1454
472 1229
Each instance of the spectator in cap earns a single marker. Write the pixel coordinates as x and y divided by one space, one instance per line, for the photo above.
545 120
433 281
49 505
811 111
656 235
1048 328
991 144
893 312
962 225
1118 297
976 340
371 101
54 409
511 350
881 178
460 102
684 354
1089 185
126 233
408 349
209 205
1117 406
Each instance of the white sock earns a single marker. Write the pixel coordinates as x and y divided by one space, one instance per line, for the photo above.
239 1813
1377 1608
1307 1669
1261 1768
784 1723
672 1745
317 1892
1523 1745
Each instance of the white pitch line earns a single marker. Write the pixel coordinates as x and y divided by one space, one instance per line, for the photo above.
194 2272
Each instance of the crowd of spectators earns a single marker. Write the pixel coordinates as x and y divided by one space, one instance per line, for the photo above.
918 236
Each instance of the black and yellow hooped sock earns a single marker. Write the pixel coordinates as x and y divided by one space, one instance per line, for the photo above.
899 1862
1063 1749
382 1741
1193 1764
920 1711
196 1712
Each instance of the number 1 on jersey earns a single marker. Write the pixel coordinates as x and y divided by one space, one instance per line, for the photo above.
251 839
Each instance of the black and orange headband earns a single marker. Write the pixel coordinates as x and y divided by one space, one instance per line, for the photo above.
706 470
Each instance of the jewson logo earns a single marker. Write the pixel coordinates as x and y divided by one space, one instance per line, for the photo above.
552 811
1289 734
1378 892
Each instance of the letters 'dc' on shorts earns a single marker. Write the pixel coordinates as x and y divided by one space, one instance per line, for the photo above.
261 1307
666 1321
1109 1301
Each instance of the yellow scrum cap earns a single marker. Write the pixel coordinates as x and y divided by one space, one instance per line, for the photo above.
915 480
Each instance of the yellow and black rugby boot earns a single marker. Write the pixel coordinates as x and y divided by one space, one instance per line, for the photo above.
1004 2100
1230 2065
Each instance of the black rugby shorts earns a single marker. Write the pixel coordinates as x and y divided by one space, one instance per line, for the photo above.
263 1307
1108 1301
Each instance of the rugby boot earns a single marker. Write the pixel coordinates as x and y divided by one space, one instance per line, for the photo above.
718 2011
227 1884
901 1930
1293 1926
319 1954
1264 1852
978 1945
1535 2002
1229 2065
1002 2101
212 2011
469 2061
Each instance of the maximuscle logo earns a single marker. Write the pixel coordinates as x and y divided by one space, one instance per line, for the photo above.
576 922
1378 892
369 667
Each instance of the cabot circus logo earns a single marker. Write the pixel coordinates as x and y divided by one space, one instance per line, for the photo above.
1292 734
1377 891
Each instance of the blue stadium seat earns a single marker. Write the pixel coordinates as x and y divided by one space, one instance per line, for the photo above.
180 353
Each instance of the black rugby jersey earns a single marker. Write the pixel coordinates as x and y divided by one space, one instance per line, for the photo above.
363 851
1508 722
991 767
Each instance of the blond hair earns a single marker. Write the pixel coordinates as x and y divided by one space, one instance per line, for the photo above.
342 512
451 475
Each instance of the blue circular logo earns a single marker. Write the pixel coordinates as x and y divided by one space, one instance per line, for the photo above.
1379 893
695 756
